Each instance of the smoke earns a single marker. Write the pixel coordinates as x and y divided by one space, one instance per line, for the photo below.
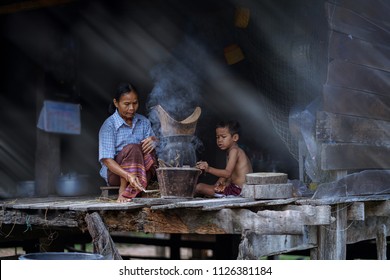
177 87
177 80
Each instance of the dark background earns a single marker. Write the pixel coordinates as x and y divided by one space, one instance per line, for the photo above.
173 52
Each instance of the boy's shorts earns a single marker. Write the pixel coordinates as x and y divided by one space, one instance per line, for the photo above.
231 189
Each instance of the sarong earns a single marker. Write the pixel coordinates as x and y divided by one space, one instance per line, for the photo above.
134 162
231 189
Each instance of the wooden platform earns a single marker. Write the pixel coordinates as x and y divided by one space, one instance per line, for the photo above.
301 223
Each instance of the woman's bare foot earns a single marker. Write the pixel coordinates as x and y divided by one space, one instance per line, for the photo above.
122 199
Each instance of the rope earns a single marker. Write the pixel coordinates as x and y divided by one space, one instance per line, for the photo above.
28 224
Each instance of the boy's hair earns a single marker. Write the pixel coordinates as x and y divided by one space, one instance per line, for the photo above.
233 126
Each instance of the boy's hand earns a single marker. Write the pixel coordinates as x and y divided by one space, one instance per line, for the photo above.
219 186
202 165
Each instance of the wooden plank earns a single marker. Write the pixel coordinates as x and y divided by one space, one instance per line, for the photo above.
313 215
251 204
354 156
345 199
103 206
356 211
358 77
368 229
65 205
350 129
225 221
379 209
57 203
356 103
344 47
351 23
367 182
376 11
254 246
67 219
158 201
10 203
201 203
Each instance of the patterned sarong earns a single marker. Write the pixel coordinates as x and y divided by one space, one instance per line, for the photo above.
135 162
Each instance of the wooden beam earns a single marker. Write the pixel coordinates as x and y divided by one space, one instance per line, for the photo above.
344 47
358 77
356 25
354 156
353 102
367 229
41 220
349 129
376 11
225 221
356 211
364 183
377 208
313 215
254 246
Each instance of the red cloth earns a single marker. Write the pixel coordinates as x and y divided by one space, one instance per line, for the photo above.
135 162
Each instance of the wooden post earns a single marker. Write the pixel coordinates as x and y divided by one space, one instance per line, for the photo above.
381 243
47 152
332 239
175 247
102 241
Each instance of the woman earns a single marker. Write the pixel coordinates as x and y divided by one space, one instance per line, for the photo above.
126 146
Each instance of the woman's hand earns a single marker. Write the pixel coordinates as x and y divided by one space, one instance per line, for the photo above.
134 182
148 144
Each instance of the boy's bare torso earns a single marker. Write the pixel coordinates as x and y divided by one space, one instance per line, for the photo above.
242 167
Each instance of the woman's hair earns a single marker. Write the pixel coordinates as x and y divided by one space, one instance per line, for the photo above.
233 126
121 89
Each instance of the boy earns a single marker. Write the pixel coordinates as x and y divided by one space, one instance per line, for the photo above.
232 178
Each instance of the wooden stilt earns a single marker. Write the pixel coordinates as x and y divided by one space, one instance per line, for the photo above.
332 238
381 243
101 239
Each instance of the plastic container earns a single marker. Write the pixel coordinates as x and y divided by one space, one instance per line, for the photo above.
61 256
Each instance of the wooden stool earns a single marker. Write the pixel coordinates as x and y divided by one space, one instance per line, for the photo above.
105 190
